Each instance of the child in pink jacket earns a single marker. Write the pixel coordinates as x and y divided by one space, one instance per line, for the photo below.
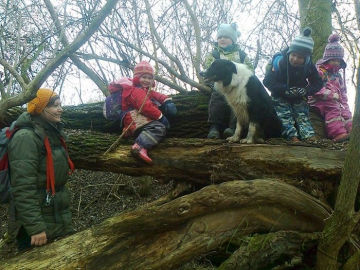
331 100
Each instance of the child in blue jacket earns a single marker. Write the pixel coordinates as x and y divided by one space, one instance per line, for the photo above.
291 78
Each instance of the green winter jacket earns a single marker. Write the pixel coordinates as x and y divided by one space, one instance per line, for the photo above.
27 162
232 55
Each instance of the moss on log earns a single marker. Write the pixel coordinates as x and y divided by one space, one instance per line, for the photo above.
191 120
266 251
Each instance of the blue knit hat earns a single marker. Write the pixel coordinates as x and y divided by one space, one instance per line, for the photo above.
228 30
303 44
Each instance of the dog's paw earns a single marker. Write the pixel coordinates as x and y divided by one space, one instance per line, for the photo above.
248 141
233 139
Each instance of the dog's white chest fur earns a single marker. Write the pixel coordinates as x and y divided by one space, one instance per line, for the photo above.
235 93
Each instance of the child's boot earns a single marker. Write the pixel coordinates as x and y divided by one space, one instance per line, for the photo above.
141 153
294 139
214 132
228 132
341 138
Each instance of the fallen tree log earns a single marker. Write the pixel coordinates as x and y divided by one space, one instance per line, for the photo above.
203 162
190 122
207 161
169 235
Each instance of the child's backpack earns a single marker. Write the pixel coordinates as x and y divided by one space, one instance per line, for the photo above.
112 108
5 137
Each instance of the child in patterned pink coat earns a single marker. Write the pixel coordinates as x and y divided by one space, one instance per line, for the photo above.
331 100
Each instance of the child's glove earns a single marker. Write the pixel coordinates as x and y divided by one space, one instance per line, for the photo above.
295 92
301 92
163 120
169 108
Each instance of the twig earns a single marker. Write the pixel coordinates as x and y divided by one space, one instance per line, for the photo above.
134 189
78 209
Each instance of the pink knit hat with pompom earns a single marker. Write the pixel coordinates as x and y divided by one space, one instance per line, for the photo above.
333 50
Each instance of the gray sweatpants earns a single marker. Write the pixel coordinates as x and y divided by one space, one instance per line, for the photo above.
220 112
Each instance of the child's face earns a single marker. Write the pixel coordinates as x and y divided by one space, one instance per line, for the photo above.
146 80
335 62
223 42
296 59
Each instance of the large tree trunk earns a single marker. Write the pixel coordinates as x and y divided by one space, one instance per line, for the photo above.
202 161
341 224
317 15
167 236
190 122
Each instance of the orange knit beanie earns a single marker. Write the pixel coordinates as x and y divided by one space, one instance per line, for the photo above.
38 104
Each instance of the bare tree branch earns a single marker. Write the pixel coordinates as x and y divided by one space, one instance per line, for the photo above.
13 72
82 66
158 39
195 22
184 78
30 90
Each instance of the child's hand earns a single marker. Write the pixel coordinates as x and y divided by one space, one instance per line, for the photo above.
301 92
336 96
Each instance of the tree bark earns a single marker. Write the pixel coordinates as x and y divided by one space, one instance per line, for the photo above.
265 251
317 15
190 121
208 161
167 236
340 225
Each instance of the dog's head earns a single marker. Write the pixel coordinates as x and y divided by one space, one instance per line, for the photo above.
220 70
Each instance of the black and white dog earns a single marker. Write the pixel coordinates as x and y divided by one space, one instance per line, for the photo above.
248 99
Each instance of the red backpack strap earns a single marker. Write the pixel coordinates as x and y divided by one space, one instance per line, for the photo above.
50 173
71 164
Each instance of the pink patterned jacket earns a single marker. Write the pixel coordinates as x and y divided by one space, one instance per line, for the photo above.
332 102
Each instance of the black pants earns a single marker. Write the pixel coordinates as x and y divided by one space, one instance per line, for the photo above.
220 113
